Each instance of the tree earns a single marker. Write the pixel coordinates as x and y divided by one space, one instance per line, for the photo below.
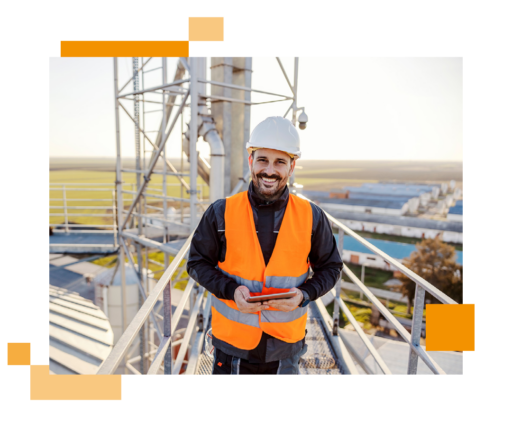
435 262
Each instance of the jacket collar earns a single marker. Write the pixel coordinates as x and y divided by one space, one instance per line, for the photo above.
256 201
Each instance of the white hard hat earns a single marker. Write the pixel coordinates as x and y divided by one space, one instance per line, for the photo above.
276 133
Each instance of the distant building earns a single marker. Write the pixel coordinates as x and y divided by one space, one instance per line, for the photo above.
481 211
356 253
425 194
368 206
435 189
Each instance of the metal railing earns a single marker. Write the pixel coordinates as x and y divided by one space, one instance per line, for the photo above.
201 305
413 338
163 353
66 207
63 207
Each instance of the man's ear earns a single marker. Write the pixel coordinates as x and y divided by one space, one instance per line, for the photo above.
250 160
292 167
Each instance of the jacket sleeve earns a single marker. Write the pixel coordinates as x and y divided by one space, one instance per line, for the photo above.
207 249
324 257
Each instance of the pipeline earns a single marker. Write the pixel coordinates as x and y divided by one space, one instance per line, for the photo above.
212 173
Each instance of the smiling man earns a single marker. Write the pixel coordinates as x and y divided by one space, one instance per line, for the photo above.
258 242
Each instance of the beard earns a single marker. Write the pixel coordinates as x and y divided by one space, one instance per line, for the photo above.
268 191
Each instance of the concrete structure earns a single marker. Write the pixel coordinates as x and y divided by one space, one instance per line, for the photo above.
232 118
81 337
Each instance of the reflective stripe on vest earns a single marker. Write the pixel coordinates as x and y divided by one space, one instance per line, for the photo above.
279 316
288 268
253 286
285 282
235 315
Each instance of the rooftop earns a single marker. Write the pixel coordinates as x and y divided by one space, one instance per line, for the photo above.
482 207
393 249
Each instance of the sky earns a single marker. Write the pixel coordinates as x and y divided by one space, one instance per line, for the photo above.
358 108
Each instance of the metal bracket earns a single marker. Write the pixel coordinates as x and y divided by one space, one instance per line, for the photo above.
200 322
192 191
335 325
235 68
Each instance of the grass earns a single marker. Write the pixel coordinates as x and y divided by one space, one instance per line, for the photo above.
362 313
103 199
111 260
372 277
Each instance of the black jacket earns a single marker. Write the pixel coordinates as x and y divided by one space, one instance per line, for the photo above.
208 247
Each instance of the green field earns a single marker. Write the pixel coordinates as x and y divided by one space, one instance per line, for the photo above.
102 197
111 260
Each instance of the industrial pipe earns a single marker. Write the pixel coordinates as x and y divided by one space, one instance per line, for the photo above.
212 137
215 175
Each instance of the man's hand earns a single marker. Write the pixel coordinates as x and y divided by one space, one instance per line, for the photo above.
241 294
287 305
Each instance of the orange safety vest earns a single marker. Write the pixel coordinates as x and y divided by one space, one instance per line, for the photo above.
288 267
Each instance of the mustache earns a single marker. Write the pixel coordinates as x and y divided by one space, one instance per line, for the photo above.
273 176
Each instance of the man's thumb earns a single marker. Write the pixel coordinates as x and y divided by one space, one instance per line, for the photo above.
244 291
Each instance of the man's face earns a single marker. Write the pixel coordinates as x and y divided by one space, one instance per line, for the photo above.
270 170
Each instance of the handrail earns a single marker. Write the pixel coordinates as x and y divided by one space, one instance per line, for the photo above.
120 349
64 209
445 299
394 322
413 338
164 343
188 334
373 351
118 352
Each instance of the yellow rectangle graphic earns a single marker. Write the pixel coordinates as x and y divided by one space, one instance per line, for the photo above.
206 29
20 355
46 386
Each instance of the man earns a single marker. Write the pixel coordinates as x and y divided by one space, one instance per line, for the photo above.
262 241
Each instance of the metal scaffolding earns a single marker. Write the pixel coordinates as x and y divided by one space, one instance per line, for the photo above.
221 117
165 348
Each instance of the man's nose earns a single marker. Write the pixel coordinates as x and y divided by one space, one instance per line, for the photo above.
270 169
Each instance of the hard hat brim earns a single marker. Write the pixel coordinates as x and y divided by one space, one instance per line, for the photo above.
251 148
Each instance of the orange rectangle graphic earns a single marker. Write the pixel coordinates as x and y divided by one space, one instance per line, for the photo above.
450 327
21 355
124 48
